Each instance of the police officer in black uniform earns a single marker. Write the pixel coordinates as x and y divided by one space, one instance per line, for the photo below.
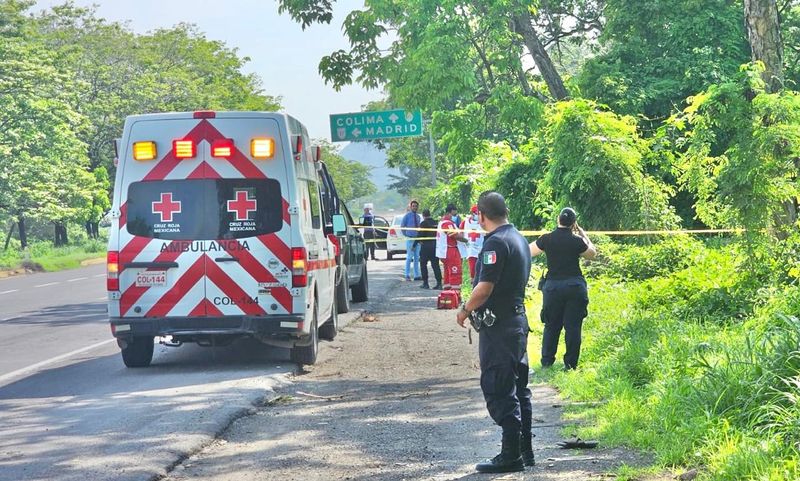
565 295
501 276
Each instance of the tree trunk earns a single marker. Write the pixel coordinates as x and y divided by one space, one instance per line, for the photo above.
23 234
764 34
93 229
60 231
8 237
523 25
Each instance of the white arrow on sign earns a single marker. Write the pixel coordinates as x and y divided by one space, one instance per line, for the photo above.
357 133
394 118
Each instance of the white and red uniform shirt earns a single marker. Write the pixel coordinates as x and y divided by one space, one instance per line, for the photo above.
474 233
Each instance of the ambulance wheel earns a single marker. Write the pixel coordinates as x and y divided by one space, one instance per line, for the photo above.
329 330
307 354
138 352
361 290
342 296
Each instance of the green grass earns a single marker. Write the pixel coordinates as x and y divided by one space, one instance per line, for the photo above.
698 364
50 258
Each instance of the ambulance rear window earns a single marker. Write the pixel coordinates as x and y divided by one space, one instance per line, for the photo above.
204 209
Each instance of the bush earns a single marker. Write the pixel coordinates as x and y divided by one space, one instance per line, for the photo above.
669 255
700 364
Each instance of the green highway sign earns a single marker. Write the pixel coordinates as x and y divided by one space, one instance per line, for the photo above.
385 124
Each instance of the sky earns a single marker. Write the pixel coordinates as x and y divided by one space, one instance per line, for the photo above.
281 53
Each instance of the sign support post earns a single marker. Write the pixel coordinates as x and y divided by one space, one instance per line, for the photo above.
432 149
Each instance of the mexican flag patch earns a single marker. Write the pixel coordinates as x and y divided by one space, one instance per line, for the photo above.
489 257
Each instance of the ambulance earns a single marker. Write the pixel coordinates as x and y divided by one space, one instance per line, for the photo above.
218 233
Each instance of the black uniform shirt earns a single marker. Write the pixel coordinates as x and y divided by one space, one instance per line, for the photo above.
430 243
563 250
505 261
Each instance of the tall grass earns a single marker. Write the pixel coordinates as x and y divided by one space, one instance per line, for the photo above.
697 362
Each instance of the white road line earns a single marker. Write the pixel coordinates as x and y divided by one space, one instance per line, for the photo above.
8 292
48 284
99 275
77 279
104 298
34 367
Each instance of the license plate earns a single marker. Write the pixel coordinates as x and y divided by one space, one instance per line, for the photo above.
151 279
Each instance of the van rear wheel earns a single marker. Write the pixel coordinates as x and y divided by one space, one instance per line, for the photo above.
138 351
329 330
342 296
307 354
361 290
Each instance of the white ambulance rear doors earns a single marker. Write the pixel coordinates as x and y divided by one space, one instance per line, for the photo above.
204 229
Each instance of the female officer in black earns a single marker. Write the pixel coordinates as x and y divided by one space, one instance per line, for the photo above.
564 292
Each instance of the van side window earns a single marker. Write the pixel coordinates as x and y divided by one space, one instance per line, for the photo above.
313 196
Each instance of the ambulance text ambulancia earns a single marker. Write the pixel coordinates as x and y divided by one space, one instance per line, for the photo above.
217 234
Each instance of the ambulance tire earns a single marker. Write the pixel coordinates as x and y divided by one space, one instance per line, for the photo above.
329 330
342 296
361 290
138 352
307 355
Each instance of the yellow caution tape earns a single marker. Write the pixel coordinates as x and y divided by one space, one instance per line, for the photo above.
529 233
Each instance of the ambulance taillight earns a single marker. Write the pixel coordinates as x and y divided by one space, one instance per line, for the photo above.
262 148
222 148
184 149
297 149
112 271
144 150
299 267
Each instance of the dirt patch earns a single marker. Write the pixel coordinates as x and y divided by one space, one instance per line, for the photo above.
27 267
392 400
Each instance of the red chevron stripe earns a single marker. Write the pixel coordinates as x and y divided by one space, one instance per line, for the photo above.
231 289
260 273
181 287
133 293
277 247
205 309
133 249
123 215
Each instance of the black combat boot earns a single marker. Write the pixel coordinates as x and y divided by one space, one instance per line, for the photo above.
509 459
526 449
425 285
438 286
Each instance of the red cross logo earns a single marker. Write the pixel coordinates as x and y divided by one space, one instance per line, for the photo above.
166 207
242 205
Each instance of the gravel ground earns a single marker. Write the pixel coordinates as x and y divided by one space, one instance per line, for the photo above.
394 397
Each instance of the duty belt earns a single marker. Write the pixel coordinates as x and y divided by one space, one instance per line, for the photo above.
485 317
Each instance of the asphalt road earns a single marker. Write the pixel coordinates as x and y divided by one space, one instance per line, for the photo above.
70 410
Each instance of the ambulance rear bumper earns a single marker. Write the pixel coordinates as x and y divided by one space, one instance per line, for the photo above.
279 326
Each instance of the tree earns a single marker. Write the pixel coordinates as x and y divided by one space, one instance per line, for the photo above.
764 34
43 164
741 149
657 53
595 164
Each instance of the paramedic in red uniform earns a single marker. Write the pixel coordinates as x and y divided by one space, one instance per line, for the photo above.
449 250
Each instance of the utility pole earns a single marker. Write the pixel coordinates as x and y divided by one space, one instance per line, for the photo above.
432 149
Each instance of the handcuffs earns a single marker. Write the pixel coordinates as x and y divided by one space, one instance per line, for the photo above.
479 317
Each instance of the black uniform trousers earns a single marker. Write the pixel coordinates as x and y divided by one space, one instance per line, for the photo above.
564 306
369 237
504 372
428 254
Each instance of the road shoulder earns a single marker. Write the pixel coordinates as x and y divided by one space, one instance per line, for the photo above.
396 396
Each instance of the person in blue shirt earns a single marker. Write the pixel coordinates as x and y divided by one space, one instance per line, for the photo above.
409 224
